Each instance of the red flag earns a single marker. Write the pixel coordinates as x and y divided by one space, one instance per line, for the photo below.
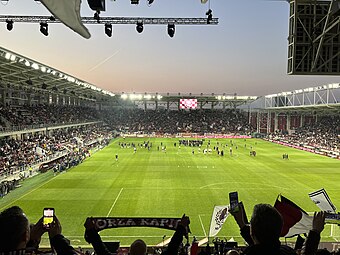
295 220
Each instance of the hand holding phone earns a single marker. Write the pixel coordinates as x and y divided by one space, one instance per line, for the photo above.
233 200
48 217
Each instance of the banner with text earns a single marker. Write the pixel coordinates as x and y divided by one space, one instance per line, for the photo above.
122 222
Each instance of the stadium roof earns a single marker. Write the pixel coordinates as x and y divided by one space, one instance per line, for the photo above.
23 72
324 97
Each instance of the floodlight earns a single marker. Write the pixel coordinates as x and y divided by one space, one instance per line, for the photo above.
108 29
9 24
139 27
44 28
171 30
97 5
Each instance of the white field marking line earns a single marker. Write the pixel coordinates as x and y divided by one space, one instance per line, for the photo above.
336 239
114 203
219 183
28 192
205 233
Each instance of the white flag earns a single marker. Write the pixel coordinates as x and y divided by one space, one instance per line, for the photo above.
220 214
68 12
322 200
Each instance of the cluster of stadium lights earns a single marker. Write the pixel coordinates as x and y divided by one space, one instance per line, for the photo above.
235 97
108 28
140 97
139 29
43 27
36 66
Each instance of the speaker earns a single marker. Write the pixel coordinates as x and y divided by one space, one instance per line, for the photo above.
97 5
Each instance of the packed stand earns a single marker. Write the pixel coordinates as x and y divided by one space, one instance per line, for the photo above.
15 154
21 117
324 134
172 122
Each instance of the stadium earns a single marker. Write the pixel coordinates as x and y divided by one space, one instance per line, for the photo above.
137 162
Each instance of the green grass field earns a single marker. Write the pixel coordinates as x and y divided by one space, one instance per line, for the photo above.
154 183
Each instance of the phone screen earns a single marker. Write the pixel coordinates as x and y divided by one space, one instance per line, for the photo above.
233 199
48 216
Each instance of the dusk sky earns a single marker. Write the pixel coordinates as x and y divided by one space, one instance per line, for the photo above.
245 54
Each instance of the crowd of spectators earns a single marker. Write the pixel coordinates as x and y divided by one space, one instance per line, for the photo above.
181 121
18 154
68 147
323 135
128 120
25 116
261 236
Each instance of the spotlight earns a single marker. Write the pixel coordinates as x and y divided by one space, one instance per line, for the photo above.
108 29
139 27
44 28
150 2
9 24
97 5
210 16
171 30
134 1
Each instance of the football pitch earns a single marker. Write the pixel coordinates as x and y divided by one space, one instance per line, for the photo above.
155 183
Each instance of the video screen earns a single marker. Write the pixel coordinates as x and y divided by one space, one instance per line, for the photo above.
188 103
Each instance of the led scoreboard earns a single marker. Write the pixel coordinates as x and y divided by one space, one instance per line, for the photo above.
188 103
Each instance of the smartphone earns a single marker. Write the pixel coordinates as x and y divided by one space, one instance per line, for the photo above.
233 199
48 217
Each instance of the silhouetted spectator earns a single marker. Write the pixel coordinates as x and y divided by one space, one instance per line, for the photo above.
16 234
138 247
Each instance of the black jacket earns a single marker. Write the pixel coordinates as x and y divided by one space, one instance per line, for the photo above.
260 249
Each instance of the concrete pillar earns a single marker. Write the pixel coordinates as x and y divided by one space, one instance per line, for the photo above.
288 116
276 122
